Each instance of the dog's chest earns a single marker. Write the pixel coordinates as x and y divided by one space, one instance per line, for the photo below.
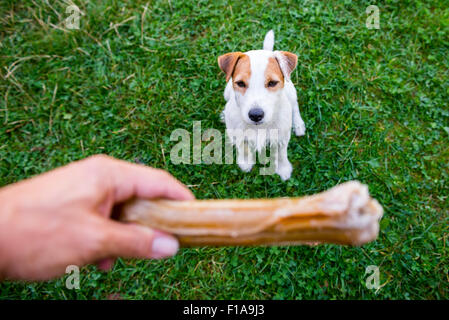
258 136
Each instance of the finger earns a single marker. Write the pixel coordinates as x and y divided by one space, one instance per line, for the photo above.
133 180
134 241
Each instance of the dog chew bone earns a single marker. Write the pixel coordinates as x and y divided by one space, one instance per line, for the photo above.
345 214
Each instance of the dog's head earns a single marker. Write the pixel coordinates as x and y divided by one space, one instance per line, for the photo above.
258 79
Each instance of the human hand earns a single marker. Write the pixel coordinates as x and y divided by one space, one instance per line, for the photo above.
62 218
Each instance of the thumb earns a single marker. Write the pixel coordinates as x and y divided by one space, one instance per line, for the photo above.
134 241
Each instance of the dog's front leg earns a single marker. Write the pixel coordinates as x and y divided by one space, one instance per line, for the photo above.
245 156
284 167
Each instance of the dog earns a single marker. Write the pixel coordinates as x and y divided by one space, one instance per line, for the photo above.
261 97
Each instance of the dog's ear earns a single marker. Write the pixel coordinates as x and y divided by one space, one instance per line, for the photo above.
228 61
287 61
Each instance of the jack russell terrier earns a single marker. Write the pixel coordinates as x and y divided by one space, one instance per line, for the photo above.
260 95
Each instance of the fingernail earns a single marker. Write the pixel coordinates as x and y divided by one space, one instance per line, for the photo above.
164 246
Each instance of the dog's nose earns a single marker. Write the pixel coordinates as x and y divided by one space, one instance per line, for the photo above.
256 114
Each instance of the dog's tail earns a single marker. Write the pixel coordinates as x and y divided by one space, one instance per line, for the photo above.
268 42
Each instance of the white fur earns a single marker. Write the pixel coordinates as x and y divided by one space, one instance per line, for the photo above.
280 108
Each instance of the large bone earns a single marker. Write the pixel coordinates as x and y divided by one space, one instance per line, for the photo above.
345 214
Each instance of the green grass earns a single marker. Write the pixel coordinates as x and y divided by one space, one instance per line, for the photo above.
375 103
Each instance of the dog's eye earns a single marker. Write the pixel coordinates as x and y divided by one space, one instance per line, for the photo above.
241 84
272 83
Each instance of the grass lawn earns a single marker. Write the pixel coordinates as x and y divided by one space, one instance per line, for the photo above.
375 104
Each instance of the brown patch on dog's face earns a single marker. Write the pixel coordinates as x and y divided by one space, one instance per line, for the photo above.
274 79
242 74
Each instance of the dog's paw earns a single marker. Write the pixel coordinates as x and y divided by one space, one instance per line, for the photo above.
246 167
285 171
300 130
